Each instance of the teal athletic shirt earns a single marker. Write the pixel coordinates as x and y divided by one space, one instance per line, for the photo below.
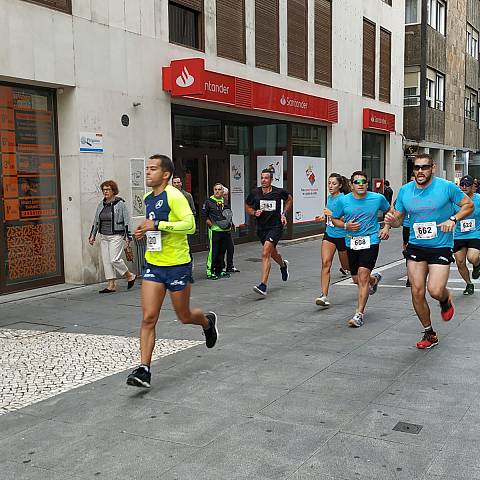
364 211
471 229
333 231
433 204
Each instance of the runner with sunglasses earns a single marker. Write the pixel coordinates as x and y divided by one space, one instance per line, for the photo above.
357 213
466 244
431 203
334 237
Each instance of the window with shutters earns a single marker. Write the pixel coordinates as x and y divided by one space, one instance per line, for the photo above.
368 70
323 42
297 38
231 29
185 23
385 65
267 50
62 5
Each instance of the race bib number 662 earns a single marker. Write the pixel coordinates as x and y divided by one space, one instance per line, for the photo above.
425 230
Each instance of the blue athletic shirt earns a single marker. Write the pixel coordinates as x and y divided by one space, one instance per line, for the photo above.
334 232
364 211
475 233
435 203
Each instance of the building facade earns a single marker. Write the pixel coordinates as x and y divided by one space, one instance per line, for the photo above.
90 88
442 83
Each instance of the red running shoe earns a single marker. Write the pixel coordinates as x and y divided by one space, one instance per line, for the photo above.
429 340
447 309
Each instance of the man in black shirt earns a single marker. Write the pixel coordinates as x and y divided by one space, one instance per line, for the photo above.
265 204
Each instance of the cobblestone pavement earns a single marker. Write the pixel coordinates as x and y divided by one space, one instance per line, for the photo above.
36 365
289 393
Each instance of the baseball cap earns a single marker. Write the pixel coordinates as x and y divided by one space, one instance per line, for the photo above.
467 180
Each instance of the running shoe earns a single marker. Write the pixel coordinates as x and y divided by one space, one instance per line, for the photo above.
261 288
447 309
139 378
211 333
357 320
224 275
408 283
233 270
213 277
284 270
469 289
322 301
476 272
372 289
428 340
345 273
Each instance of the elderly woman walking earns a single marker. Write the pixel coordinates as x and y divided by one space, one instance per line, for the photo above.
112 223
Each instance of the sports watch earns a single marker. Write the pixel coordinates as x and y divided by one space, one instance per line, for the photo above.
155 224
453 219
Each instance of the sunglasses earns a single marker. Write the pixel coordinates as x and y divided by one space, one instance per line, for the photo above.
360 181
417 168
465 184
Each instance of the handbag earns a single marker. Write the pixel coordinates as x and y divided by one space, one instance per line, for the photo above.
128 253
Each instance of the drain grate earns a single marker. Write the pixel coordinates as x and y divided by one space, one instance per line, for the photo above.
405 427
258 260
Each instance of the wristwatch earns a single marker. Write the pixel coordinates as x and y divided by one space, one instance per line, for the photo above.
453 219
156 223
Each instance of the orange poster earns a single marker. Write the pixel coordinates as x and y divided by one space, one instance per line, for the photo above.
9 164
6 97
12 210
10 187
7 141
6 119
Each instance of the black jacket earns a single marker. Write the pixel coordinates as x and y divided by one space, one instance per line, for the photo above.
218 213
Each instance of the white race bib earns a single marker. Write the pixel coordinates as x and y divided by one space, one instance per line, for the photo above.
154 241
360 243
467 225
268 205
425 230
328 220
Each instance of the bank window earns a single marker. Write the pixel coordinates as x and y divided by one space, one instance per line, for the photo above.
62 5
412 10
472 41
436 15
411 92
185 23
471 105
435 91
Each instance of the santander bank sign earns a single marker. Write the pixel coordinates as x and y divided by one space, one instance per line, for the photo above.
188 78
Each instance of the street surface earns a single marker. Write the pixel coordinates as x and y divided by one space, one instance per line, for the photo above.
289 392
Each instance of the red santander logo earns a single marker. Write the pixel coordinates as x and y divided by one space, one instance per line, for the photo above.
188 76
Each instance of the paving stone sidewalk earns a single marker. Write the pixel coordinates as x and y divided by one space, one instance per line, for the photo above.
290 392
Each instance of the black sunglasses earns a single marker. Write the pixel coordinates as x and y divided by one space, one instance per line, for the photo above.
466 184
417 168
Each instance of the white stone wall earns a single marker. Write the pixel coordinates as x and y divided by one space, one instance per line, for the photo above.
109 53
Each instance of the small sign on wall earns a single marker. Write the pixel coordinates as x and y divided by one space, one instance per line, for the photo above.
91 142
137 186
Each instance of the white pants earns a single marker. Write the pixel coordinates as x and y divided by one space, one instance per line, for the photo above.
112 248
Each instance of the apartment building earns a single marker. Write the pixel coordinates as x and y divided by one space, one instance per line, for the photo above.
90 88
442 83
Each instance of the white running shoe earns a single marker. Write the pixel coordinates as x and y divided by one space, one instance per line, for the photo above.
356 321
322 301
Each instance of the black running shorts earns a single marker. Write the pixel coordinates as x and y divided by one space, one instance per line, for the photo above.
272 235
433 256
405 235
362 258
460 243
338 242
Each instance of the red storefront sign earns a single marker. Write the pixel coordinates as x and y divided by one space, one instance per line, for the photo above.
378 120
189 79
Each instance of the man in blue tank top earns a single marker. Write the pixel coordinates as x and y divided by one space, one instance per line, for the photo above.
432 205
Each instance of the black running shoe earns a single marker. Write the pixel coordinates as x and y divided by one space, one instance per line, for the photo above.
476 272
284 270
139 378
469 289
211 333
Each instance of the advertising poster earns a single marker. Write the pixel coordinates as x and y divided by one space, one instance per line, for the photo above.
274 163
237 189
91 142
308 188
137 186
